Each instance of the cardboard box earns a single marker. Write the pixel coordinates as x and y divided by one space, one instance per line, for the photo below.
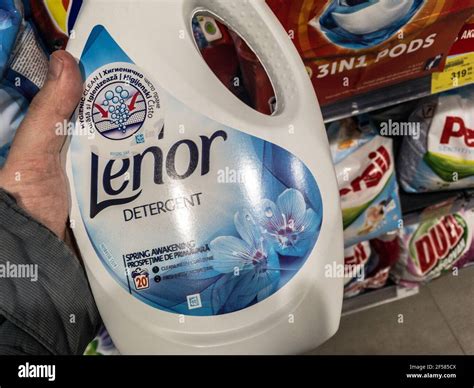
340 68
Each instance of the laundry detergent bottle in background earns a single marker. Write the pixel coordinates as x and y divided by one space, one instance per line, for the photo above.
205 226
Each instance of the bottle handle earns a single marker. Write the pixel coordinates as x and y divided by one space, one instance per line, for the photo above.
254 21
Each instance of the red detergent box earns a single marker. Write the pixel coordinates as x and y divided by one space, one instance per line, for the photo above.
352 47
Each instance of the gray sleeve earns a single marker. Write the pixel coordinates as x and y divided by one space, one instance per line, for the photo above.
46 306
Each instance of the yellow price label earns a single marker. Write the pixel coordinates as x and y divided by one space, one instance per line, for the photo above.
459 71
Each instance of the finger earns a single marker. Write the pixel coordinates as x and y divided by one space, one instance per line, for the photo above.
50 110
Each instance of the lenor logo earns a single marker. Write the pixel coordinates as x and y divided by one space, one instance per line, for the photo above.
164 168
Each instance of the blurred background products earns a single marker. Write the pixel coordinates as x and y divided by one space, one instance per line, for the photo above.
442 156
434 247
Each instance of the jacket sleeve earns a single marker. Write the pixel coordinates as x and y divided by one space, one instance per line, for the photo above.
46 306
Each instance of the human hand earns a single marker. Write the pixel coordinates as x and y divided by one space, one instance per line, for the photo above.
34 172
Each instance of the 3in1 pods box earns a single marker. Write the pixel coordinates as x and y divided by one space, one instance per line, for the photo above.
351 47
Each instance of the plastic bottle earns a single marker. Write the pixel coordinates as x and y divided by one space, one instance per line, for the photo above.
205 226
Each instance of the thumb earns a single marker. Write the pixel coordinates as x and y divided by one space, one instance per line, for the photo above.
51 108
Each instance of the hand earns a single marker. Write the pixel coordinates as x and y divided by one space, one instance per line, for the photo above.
34 172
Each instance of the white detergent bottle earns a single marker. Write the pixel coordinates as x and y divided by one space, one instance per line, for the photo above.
205 226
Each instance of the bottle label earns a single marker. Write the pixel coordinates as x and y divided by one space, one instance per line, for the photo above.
188 215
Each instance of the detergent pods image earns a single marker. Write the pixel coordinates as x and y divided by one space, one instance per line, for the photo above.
360 24
205 226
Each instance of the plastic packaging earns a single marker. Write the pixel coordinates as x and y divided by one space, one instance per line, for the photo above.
204 225
434 247
10 21
367 184
28 65
101 345
368 263
356 259
442 157
13 107
55 20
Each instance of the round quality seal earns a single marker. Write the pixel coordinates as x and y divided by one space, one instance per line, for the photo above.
117 101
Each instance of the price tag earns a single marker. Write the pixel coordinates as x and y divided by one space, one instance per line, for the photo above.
459 71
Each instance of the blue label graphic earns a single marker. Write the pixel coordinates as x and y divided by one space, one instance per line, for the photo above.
204 221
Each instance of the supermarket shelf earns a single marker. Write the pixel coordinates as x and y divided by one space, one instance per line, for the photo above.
424 205
415 207
376 298
417 202
401 92
378 99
